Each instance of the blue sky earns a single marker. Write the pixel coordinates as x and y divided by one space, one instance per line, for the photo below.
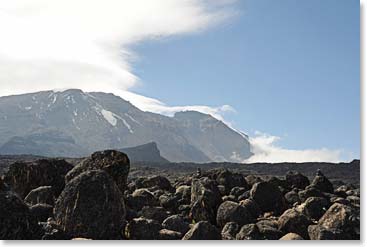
289 68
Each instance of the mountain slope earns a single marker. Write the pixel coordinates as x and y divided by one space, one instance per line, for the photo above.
74 123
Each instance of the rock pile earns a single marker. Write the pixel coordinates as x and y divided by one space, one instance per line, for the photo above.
51 199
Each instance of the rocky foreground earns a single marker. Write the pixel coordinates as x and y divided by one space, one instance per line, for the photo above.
51 199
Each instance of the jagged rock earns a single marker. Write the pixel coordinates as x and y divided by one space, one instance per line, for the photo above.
233 212
230 231
294 221
184 210
176 223
166 234
16 220
230 198
340 200
292 197
309 192
314 207
23 177
268 197
142 229
244 196
158 214
343 220
297 180
222 190
291 236
41 211
115 163
355 200
203 230
156 182
91 206
249 232
141 198
252 207
43 195
321 183
205 199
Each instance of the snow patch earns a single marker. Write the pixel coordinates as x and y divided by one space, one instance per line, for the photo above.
109 116
28 108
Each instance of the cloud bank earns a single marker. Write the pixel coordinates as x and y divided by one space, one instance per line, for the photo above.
266 149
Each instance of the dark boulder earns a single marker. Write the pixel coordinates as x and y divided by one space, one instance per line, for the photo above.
321 183
230 230
41 211
203 230
314 207
237 191
233 212
294 221
115 163
292 197
169 202
268 197
23 177
269 229
141 198
252 207
43 195
249 232
317 232
296 180
142 229
252 179
91 206
16 220
230 180
158 214
309 192
159 182
176 223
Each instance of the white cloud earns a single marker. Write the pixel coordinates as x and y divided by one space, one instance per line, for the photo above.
265 149
86 43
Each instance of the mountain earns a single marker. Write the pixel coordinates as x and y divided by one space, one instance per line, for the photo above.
146 152
74 123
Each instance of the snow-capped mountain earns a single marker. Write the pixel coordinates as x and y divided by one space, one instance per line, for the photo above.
75 123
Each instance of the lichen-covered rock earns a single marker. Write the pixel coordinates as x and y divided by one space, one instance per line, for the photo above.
176 223
230 230
233 212
268 197
296 180
249 232
142 229
294 221
203 230
205 200
43 195
23 177
291 236
16 220
343 220
91 206
115 163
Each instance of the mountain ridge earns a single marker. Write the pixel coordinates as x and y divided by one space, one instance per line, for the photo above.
76 123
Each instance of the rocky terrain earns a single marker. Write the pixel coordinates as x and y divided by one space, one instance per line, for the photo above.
105 197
